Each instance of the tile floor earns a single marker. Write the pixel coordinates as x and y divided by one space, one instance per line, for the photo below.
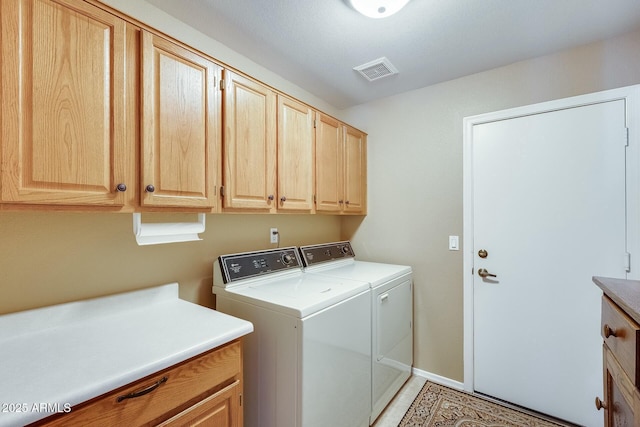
393 414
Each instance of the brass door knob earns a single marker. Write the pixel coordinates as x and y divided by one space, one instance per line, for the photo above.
484 273
600 404
607 331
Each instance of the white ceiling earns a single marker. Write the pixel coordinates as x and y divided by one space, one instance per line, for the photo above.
316 43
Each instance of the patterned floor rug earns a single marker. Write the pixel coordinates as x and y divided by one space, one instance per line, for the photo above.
440 406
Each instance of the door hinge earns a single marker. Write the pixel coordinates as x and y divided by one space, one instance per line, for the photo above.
222 191
221 84
315 123
627 262
626 136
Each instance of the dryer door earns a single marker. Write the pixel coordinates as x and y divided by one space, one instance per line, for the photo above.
393 340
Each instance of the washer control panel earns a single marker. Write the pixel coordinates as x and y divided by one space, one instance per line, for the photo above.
317 254
251 264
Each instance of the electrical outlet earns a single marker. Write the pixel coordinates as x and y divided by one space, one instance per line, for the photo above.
273 235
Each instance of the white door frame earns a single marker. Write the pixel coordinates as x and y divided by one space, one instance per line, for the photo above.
631 96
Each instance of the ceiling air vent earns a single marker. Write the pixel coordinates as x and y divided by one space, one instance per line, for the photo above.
377 69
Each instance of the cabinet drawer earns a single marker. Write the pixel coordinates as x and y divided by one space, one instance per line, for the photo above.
620 334
220 409
171 391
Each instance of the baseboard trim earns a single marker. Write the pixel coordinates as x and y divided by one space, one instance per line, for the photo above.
448 382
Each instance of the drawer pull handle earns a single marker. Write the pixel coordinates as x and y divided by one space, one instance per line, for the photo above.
600 404
144 391
608 332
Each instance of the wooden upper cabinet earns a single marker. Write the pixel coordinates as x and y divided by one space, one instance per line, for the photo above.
68 135
295 155
181 110
249 144
329 165
341 168
355 171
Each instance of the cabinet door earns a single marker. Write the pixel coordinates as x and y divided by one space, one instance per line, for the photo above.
355 171
249 144
329 161
181 126
66 127
221 409
621 398
166 395
295 155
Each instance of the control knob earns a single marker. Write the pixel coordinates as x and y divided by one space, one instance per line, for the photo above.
287 259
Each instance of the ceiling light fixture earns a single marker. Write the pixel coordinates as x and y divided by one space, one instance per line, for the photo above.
378 8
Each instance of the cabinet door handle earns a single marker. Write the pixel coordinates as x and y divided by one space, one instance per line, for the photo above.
600 404
144 391
121 187
608 331
150 188
270 197
283 199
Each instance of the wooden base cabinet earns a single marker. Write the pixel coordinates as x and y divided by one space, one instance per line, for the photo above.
205 391
621 359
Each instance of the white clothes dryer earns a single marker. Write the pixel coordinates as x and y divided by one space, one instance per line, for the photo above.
391 308
307 363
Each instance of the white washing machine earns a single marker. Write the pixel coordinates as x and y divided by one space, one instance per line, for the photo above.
391 308
308 361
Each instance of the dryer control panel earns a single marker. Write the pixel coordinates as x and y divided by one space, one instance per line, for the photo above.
317 254
251 264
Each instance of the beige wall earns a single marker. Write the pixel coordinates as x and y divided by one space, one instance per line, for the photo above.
415 175
52 257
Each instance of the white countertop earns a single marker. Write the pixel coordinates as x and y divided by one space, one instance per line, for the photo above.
59 356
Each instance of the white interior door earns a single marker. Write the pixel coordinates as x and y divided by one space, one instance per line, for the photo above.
549 210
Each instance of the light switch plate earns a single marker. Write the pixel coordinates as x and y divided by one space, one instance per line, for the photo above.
454 243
